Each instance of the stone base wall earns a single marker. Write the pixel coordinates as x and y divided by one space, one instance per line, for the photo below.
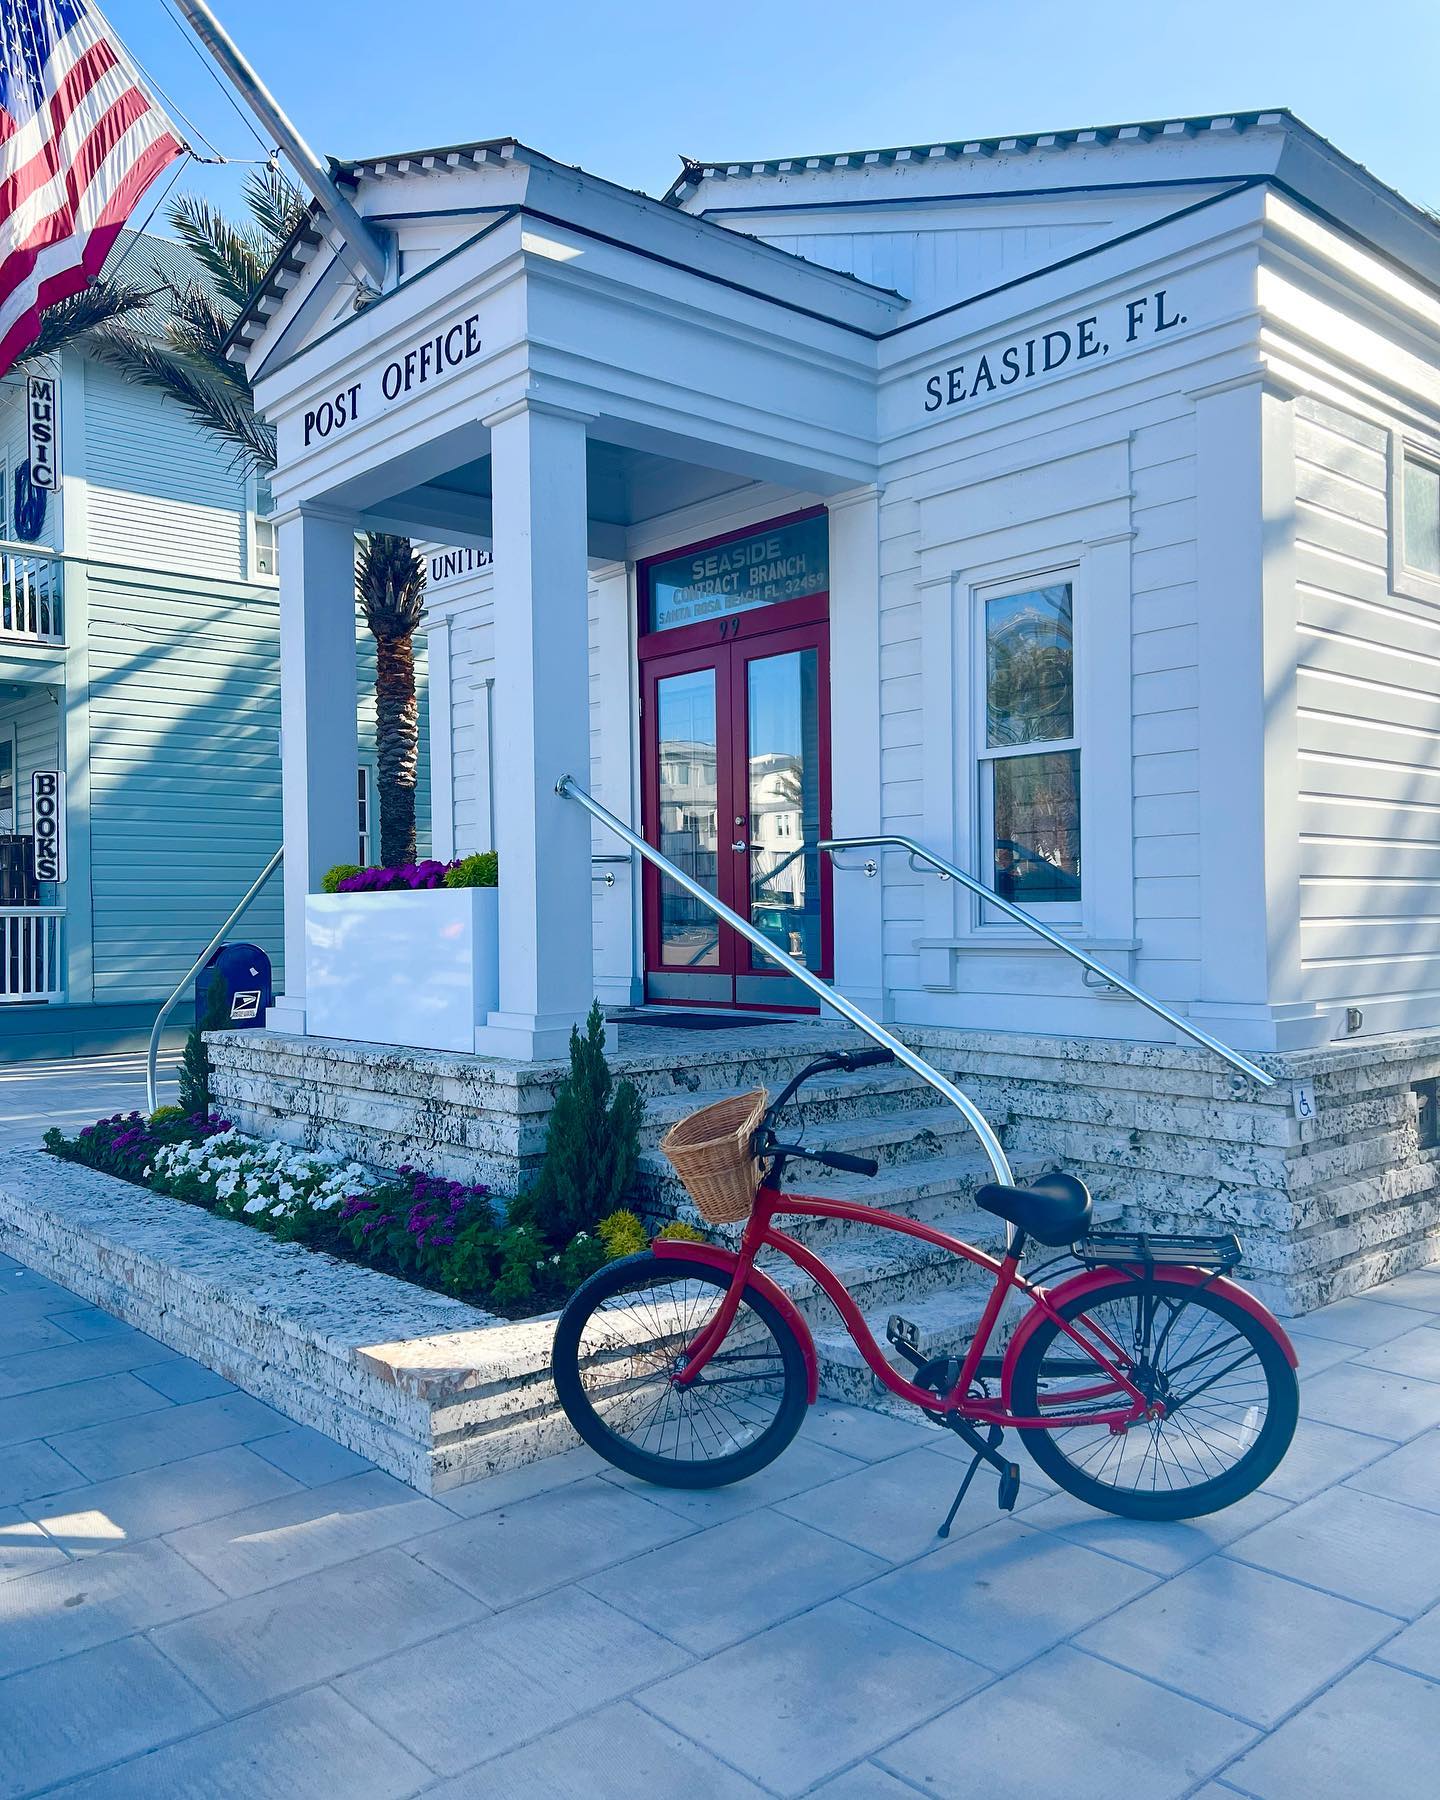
470 1118
1325 1205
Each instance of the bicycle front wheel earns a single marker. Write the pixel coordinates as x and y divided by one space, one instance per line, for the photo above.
623 1336
1229 1395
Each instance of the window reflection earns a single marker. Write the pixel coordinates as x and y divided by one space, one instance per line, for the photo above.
784 744
689 934
1033 799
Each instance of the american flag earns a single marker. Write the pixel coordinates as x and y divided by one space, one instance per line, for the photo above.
80 141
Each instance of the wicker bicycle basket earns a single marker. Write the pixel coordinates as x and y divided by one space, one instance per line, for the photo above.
710 1152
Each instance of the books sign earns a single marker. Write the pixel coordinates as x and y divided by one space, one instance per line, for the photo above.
42 413
47 812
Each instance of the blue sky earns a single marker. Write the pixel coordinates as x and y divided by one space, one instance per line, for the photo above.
624 89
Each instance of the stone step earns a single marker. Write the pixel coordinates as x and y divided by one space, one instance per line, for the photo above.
919 1190
864 1095
886 1272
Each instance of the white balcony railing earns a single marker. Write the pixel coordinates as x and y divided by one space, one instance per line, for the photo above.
32 955
32 608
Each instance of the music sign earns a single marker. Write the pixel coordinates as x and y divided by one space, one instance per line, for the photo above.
47 813
42 412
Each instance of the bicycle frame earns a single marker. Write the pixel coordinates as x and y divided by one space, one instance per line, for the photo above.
761 1233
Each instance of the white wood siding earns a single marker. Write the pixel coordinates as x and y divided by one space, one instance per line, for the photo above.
163 494
1369 736
1165 687
184 773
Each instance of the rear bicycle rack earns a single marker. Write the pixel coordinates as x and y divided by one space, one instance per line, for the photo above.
1218 1253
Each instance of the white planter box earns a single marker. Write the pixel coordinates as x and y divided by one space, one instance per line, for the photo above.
418 968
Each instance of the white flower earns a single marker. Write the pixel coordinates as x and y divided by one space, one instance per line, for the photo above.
254 1206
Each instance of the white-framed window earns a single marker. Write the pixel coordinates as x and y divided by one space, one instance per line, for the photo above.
1028 800
1414 510
1420 503
365 812
263 546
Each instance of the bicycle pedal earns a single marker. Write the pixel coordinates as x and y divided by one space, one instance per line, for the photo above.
1009 1487
905 1337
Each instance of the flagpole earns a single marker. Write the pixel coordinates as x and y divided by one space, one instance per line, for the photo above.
359 237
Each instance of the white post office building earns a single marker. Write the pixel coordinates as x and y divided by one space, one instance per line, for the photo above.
1067 504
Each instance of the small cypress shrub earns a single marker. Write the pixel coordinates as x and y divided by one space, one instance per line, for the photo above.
195 1069
593 1144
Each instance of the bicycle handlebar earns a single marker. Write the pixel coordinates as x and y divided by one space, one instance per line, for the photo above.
832 1159
848 1061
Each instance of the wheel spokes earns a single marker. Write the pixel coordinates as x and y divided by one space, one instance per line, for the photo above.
1204 1374
635 1342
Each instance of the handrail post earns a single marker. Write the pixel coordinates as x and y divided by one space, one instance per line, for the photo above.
569 789
153 1051
946 869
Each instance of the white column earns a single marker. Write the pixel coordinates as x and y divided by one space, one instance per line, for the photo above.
855 801
1249 843
318 753
614 766
541 730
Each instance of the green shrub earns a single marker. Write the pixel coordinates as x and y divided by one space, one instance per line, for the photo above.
622 1234
677 1228
479 871
581 1257
593 1144
523 1257
331 879
163 1115
195 1067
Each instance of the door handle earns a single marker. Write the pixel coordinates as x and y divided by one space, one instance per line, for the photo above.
739 846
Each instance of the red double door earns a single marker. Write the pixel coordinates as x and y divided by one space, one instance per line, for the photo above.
736 737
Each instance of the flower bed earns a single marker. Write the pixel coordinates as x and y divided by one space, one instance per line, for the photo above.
440 1234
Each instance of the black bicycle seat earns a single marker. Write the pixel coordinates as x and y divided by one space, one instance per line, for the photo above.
1056 1210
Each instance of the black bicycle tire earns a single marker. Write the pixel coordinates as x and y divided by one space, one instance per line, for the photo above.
1255 1467
661 1471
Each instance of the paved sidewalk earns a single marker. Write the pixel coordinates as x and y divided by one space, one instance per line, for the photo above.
198 1597
75 1090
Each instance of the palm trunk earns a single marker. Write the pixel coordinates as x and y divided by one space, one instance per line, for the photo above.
397 740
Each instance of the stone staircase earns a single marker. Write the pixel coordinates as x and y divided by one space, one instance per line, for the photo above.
930 1169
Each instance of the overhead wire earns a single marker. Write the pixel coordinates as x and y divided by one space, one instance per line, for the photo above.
269 150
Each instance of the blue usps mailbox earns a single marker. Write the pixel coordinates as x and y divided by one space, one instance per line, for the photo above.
244 972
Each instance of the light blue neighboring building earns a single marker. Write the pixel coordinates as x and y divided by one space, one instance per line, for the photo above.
139 658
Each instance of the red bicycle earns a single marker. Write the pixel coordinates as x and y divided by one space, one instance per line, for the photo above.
1147 1382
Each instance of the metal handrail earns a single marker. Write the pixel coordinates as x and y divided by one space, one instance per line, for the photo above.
569 789
152 1053
1031 923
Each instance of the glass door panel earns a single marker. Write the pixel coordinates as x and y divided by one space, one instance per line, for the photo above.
783 796
687 816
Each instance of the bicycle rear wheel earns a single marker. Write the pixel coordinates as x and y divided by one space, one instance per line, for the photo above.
622 1337
1230 1396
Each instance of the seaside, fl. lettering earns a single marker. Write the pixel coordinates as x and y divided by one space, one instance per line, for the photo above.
1075 341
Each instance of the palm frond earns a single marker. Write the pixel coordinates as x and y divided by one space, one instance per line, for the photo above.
234 257
222 406
198 327
100 304
390 585
274 202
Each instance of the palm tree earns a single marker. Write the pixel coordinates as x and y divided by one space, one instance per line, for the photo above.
176 347
180 353
390 583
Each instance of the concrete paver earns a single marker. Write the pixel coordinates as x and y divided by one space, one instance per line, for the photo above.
199 1596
